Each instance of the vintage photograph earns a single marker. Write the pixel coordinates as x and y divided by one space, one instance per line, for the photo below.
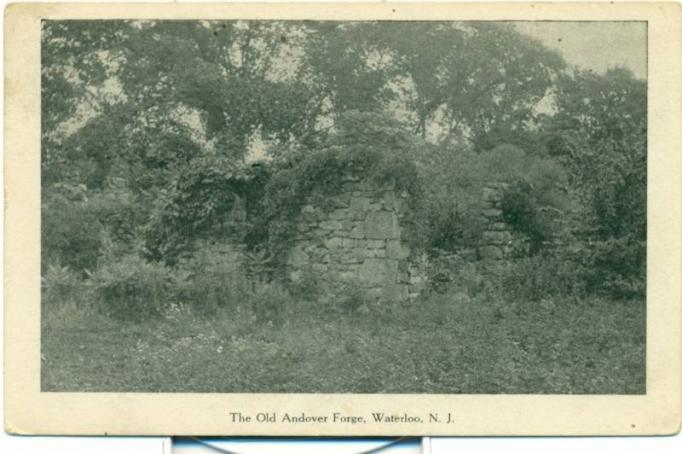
307 206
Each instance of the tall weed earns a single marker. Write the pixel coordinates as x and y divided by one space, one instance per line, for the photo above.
211 279
132 288
61 285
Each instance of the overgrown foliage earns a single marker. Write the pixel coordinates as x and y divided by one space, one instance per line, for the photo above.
176 157
600 135
474 338
454 179
367 146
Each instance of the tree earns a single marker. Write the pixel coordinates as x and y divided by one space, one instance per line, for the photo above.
599 133
481 79
348 66
77 60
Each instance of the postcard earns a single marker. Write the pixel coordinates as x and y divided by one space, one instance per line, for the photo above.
343 219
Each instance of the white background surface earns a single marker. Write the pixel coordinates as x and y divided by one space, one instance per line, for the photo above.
137 445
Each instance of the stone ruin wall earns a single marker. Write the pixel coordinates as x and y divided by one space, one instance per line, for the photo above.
497 237
358 244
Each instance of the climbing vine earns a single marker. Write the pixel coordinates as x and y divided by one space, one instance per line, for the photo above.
202 199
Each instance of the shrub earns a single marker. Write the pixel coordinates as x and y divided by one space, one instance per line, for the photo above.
199 203
521 210
70 230
535 202
306 287
202 197
212 278
469 280
450 208
269 302
120 213
618 267
453 178
351 298
61 285
78 224
132 288
540 276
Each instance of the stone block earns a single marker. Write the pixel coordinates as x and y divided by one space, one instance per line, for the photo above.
297 257
378 271
303 227
333 243
390 200
339 214
295 275
310 217
468 253
381 225
490 253
350 259
496 236
374 244
373 294
395 249
319 256
341 200
360 203
347 276
348 243
491 194
395 292
330 225
492 213
357 232
358 215
371 252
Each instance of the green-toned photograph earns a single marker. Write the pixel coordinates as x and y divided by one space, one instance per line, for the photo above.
404 207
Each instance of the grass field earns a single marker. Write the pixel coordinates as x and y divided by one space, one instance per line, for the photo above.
443 344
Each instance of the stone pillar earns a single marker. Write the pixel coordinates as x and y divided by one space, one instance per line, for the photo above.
358 244
497 236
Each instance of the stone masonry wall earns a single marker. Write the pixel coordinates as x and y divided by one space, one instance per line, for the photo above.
497 238
359 244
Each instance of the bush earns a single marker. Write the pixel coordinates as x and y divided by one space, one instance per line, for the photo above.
203 196
78 224
618 267
306 287
132 288
535 202
351 298
447 272
453 178
61 285
541 276
119 212
522 211
70 230
212 278
450 213
269 302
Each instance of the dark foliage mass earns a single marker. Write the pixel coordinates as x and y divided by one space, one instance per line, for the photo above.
163 138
